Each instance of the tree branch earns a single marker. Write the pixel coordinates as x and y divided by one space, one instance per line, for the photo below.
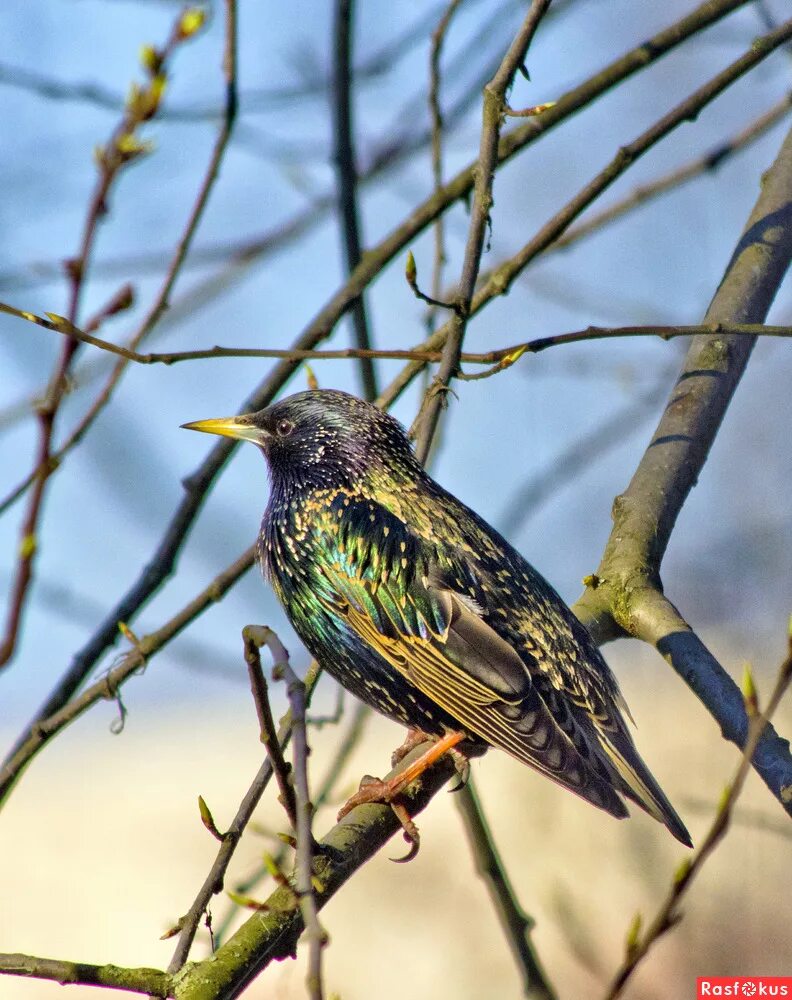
152 982
516 924
272 933
500 357
187 926
484 175
123 148
305 885
347 177
669 914
625 594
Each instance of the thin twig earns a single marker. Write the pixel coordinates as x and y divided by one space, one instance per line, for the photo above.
517 925
187 927
500 358
306 890
253 639
347 177
161 300
436 118
123 147
669 915
492 118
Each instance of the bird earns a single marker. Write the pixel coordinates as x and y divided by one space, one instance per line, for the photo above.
420 608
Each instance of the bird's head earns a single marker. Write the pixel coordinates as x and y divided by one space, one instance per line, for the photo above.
321 437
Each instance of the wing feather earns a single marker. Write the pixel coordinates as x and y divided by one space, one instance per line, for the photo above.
418 607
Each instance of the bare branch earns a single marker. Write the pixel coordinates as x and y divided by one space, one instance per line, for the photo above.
273 932
305 881
500 358
152 982
361 714
187 927
500 280
625 593
436 117
517 925
669 913
484 174
347 175
123 147
253 638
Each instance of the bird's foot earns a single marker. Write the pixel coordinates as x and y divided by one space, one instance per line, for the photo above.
387 792
413 739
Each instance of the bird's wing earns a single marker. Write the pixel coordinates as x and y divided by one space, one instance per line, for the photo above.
396 592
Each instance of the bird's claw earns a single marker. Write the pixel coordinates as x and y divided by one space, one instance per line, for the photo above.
411 834
462 765
375 790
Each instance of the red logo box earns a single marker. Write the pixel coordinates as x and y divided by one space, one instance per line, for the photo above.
743 986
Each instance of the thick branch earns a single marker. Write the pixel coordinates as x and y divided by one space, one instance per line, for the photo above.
670 912
625 594
272 933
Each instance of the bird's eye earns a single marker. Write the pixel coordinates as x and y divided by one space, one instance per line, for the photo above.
284 428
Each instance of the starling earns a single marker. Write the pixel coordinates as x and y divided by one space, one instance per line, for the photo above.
421 609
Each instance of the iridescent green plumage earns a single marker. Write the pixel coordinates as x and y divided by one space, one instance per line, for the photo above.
424 611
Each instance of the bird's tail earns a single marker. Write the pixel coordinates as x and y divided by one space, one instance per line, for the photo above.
637 783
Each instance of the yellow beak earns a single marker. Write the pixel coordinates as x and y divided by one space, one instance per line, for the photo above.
233 427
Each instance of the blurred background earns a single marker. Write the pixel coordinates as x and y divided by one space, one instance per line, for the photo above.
101 848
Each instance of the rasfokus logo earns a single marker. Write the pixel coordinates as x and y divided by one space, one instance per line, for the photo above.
744 986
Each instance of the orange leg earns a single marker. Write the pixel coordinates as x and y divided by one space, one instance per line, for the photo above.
435 752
